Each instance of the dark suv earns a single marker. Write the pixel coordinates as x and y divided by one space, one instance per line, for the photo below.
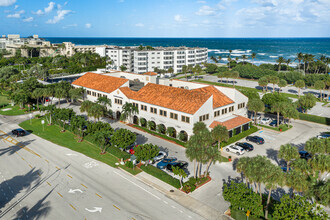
305 155
245 146
181 164
255 139
18 132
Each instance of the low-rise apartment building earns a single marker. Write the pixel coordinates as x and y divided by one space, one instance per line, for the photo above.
179 104
139 60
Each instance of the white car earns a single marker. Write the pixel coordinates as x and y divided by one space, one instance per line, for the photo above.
265 121
161 155
258 117
235 149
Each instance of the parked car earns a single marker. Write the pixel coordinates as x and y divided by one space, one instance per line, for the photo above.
132 150
181 164
245 146
305 155
235 149
274 123
323 136
265 121
284 169
162 164
255 139
18 132
258 117
161 155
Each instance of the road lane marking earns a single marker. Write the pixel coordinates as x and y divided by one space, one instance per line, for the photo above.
58 168
181 211
173 206
84 185
73 207
98 195
137 185
32 167
189 216
69 176
48 183
116 207
22 158
47 161
60 194
165 202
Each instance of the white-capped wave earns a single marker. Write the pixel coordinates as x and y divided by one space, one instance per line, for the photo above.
273 56
262 54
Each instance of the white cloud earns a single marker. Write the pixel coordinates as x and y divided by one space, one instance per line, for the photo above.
46 10
7 2
206 10
88 25
139 25
16 14
29 19
201 2
16 7
179 18
60 16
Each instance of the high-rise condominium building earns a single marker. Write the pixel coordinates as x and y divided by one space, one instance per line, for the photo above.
139 60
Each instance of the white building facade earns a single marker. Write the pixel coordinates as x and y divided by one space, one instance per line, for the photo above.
141 61
179 104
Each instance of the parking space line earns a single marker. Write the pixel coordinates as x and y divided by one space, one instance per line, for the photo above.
73 207
60 194
69 176
48 183
98 195
84 185
116 207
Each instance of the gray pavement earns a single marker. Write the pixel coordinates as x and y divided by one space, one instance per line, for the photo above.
45 181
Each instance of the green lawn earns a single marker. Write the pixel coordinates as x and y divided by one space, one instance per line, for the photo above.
276 128
160 174
15 110
67 139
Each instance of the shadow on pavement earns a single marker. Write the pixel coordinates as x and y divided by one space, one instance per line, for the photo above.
272 154
12 187
14 148
39 210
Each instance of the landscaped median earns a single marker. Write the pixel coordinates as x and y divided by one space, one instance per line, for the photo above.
281 128
68 139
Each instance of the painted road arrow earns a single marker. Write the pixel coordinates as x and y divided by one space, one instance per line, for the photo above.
96 209
75 190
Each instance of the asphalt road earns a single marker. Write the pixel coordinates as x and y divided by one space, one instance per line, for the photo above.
41 180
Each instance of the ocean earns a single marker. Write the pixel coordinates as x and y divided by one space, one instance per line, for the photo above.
267 49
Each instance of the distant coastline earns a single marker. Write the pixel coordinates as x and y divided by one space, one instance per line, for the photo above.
267 49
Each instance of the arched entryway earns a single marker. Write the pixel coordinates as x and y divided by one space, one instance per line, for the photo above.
135 120
183 136
161 128
152 125
118 114
143 122
171 132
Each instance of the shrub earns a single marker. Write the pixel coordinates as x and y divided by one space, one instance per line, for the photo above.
161 128
182 136
129 164
123 138
146 152
154 171
118 153
314 118
37 115
151 125
188 187
240 136
143 122
171 131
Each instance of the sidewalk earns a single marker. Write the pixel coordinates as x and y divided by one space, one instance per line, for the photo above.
182 198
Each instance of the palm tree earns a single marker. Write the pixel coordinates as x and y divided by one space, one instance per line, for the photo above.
253 56
229 60
320 163
299 58
212 155
314 145
309 59
288 153
244 57
288 61
220 133
214 59
103 100
97 111
297 181
86 106
192 150
274 80
199 127
128 111
319 85
184 70
263 81
60 93
305 60
37 94
256 105
180 172
299 84
234 75
290 112
242 166
282 83
219 58
278 107
280 60
273 178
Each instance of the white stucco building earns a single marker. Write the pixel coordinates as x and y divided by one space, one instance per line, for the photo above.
141 61
173 103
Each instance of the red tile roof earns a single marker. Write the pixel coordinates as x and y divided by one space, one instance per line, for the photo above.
231 123
128 92
219 99
150 73
100 82
183 100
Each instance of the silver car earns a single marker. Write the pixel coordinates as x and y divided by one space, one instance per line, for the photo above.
161 155
235 149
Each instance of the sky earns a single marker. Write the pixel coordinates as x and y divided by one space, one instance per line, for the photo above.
166 18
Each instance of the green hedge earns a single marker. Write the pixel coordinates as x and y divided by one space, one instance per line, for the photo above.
118 153
314 118
240 136
183 144
158 173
